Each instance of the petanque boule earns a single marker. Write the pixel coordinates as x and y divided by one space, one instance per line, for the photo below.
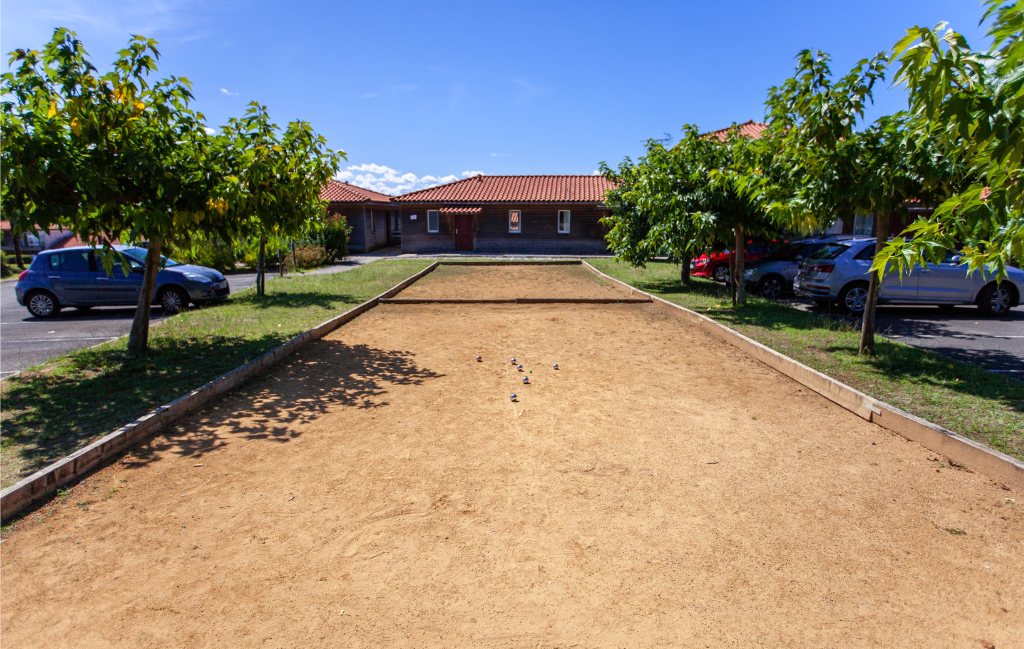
513 361
519 367
526 379
512 396
479 358
555 366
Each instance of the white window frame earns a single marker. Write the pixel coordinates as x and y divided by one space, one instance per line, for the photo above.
437 221
518 230
568 221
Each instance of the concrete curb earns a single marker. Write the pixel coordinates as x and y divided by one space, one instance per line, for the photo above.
978 457
23 493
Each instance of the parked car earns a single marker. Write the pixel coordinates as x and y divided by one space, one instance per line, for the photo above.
773 274
75 277
839 272
715 265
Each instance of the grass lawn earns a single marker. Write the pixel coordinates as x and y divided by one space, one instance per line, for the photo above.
980 405
57 408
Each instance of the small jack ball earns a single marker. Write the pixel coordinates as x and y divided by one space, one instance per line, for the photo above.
555 366
519 367
526 379
478 359
513 396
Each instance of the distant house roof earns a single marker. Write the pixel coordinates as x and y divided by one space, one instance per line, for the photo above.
749 129
515 189
339 192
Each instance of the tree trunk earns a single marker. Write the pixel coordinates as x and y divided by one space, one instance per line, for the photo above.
295 263
261 267
732 276
17 251
867 330
684 272
738 254
138 338
280 265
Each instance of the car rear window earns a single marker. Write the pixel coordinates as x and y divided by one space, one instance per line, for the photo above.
74 260
867 253
830 251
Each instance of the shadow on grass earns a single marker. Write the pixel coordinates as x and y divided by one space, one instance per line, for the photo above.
327 375
55 412
298 300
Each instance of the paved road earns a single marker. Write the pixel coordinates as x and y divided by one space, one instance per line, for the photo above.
995 344
26 341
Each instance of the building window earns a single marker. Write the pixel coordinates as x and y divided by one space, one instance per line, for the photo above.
864 223
433 222
563 221
373 223
515 221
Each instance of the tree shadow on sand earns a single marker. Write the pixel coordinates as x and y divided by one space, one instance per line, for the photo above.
275 405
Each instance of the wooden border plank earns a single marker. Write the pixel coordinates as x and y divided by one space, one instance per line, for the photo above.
1004 468
23 493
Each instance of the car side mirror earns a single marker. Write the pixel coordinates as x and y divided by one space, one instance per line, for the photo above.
139 271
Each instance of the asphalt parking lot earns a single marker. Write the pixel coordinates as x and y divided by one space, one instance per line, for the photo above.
26 341
995 344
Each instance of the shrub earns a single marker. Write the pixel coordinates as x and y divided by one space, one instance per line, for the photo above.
335 236
212 254
306 256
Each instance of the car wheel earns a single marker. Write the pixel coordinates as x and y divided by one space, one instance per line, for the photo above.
720 273
42 305
770 287
995 300
173 300
853 298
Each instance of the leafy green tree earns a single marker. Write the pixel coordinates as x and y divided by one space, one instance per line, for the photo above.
110 157
814 165
277 178
972 102
682 200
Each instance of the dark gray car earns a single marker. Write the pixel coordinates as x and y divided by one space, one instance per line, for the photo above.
75 277
772 275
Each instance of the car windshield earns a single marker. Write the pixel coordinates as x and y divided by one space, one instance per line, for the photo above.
830 251
140 254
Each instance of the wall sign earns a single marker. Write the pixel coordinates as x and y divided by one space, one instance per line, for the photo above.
412 217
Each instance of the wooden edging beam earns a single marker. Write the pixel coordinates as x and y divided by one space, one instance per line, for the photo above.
23 493
511 262
978 457
517 300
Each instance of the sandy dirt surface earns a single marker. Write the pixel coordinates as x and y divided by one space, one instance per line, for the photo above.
500 282
659 489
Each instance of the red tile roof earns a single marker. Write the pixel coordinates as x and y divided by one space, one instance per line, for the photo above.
750 129
515 189
339 192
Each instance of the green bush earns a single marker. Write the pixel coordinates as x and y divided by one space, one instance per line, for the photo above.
334 237
212 254
6 265
306 256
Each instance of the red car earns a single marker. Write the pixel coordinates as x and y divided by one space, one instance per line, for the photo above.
716 264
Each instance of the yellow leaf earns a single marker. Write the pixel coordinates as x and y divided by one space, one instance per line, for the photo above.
53 109
139 107
76 126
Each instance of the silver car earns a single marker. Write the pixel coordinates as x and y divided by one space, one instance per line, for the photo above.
839 273
772 275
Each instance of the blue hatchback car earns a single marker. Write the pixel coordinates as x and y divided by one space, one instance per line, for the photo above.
75 277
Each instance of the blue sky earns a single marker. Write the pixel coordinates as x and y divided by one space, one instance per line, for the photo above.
417 93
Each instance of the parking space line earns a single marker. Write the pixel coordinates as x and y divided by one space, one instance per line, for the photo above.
55 340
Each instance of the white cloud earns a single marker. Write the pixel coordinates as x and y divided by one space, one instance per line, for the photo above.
209 131
228 92
386 180
367 95
498 155
597 172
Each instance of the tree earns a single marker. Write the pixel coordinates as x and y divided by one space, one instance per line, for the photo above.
679 201
972 103
814 165
110 157
277 178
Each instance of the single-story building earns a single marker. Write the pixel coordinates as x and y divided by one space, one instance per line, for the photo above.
507 214
374 219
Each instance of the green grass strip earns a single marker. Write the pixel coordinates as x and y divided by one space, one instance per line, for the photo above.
981 405
54 409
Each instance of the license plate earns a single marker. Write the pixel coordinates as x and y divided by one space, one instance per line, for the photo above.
221 284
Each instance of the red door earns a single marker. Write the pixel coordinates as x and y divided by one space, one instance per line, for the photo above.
464 232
